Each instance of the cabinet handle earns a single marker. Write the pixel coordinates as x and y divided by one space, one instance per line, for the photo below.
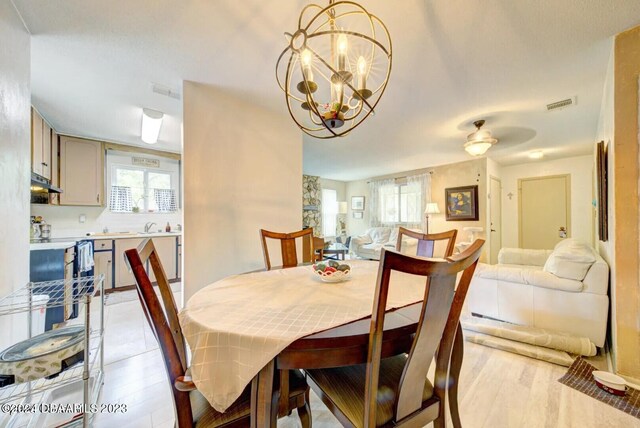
44 164
98 198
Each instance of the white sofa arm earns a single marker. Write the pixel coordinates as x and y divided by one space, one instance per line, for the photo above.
521 256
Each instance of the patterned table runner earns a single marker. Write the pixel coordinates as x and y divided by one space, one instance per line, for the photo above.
235 326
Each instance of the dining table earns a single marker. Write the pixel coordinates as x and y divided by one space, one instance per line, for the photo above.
250 329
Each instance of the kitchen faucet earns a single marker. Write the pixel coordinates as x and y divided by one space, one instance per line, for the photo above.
147 227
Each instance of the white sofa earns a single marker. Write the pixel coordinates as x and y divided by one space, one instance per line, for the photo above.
370 244
564 289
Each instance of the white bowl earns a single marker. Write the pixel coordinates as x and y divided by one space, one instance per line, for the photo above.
337 276
610 380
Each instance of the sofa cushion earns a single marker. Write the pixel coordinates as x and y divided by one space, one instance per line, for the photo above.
528 275
379 235
521 256
571 260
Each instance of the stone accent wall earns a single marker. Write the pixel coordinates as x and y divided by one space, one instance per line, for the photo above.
312 203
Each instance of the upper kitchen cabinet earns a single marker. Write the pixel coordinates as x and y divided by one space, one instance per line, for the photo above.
81 172
40 145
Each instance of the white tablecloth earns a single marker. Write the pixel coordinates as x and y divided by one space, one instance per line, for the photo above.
235 326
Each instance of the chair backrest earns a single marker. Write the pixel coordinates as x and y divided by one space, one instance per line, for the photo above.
436 329
427 241
288 246
163 323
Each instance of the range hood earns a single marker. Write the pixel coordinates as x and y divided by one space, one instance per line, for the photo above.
40 184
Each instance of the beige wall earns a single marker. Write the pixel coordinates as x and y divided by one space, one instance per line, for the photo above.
581 170
15 164
625 202
468 173
355 226
242 172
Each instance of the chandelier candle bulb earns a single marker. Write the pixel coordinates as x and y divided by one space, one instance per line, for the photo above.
362 73
343 44
306 65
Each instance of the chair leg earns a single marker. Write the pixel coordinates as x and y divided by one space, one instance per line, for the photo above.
457 355
304 412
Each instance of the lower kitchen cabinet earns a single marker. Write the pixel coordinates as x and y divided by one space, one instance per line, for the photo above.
123 276
103 265
167 248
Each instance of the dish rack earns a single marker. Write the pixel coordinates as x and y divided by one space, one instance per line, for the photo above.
89 372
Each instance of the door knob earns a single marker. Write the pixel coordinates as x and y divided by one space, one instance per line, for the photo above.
493 230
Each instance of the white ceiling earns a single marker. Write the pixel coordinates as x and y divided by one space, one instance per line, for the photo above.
93 63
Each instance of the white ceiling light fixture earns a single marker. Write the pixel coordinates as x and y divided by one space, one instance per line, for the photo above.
480 141
151 124
537 154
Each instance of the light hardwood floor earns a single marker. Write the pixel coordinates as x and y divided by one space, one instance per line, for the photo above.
498 389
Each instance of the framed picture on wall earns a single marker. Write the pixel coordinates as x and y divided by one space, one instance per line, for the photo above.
357 203
357 214
462 203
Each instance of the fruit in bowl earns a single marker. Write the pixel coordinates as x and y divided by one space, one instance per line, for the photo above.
332 271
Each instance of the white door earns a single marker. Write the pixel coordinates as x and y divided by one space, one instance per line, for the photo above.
544 211
495 218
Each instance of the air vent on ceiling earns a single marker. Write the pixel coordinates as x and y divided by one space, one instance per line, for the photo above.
167 92
562 104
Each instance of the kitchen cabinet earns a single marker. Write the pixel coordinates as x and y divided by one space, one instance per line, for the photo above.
46 150
81 172
123 276
103 265
54 198
166 250
166 247
41 150
37 158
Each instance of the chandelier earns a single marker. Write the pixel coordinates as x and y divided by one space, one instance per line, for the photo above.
480 141
335 68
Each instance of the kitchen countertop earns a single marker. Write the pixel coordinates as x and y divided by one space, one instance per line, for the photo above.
63 243
52 244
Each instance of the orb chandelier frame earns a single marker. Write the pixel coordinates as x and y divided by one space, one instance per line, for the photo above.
352 85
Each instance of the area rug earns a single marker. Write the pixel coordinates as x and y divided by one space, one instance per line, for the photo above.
579 378
554 356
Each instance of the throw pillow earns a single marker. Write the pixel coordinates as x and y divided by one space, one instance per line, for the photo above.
571 260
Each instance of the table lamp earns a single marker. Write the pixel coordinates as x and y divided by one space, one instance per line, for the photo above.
431 208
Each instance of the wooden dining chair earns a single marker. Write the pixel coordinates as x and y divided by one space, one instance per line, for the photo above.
395 391
427 241
288 246
191 408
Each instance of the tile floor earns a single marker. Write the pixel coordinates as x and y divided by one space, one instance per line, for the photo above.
498 389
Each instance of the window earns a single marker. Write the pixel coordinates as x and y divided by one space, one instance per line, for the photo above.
400 204
329 212
140 188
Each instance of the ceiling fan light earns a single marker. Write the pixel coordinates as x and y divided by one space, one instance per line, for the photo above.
151 124
480 141
477 148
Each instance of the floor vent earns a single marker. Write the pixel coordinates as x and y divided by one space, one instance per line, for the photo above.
561 104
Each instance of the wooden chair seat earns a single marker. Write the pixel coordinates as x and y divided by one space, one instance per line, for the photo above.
344 387
205 416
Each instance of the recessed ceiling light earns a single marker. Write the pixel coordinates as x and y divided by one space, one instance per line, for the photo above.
151 123
536 154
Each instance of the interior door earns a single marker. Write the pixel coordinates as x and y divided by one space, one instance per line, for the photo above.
495 213
544 211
